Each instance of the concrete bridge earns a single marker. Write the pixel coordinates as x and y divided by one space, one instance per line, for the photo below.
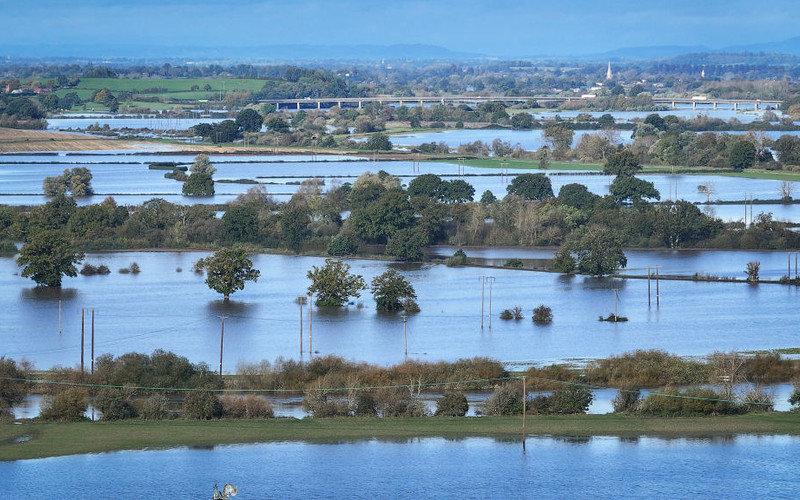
359 102
713 103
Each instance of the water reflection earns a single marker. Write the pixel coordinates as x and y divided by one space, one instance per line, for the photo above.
600 467
49 293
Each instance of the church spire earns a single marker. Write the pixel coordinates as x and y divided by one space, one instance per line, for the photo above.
609 74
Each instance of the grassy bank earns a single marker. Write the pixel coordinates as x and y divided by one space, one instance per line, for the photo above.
87 437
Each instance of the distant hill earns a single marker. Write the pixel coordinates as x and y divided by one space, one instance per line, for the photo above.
789 46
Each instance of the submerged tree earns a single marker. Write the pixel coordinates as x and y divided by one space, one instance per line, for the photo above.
390 289
227 270
47 257
333 284
200 182
77 181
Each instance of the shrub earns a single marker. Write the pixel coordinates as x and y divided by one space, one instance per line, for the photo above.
410 306
459 258
516 263
319 405
794 399
758 400
513 313
156 407
115 404
366 406
613 318
768 368
202 405
505 400
134 268
690 402
66 406
400 403
566 400
88 270
650 368
247 407
626 401
542 315
453 404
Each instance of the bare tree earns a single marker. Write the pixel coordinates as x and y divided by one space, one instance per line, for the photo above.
727 371
707 189
752 271
786 189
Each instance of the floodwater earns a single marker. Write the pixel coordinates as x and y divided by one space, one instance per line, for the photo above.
128 179
169 307
477 467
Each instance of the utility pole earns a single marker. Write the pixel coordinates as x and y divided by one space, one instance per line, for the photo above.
658 293
221 343
59 316
301 299
405 335
483 292
491 280
82 335
93 340
310 322
615 305
524 411
648 286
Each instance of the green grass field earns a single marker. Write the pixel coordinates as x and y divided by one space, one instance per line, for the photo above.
171 84
48 440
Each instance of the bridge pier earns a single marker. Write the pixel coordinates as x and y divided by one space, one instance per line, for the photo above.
715 105
736 106
673 104
694 105
756 105
359 104
319 105
298 105
277 106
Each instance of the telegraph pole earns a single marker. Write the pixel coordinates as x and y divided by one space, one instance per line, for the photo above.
301 299
59 316
491 280
82 334
93 340
648 286
405 335
310 323
524 411
483 292
221 343
658 293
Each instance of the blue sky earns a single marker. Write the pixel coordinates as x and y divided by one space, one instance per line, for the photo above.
504 28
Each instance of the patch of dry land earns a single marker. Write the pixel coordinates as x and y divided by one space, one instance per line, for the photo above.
20 141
